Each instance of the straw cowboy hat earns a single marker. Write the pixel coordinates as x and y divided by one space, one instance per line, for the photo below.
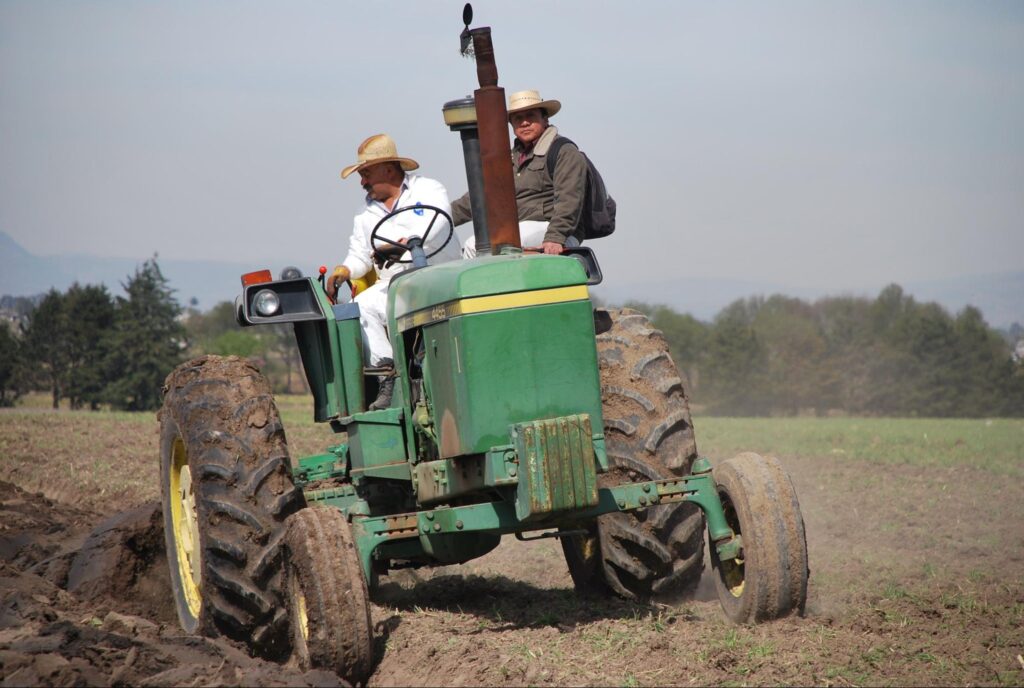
377 149
528 100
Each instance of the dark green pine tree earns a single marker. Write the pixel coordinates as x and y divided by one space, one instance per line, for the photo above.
90 319
147 341
44 345
11 366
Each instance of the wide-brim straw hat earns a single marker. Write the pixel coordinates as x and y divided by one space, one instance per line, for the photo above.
528 100
377 149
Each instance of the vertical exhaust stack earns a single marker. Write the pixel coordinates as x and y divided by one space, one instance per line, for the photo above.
460 116
495 152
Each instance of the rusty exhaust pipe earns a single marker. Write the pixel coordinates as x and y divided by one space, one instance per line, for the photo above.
495 151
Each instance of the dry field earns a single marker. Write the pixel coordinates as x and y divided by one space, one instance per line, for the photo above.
915 531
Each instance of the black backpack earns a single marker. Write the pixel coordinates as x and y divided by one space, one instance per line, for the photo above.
598 216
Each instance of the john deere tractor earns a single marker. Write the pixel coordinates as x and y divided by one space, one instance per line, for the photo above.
518 408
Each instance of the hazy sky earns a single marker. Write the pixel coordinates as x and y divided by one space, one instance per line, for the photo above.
809 144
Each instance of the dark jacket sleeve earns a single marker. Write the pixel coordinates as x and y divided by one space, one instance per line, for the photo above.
570 181
462 211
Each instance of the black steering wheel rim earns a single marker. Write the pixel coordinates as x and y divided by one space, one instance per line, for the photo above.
438 212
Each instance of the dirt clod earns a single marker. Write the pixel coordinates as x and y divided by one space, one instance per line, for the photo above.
113 626
123 559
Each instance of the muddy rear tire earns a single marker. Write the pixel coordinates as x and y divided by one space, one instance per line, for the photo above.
331 627
648 436
769 579
227 488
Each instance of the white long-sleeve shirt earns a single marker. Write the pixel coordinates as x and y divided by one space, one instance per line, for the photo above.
416 190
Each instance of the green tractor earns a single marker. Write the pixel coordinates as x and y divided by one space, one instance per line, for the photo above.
518 408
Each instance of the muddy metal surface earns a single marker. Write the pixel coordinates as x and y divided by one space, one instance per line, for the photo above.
917 577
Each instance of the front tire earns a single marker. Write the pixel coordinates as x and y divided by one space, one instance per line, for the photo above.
331 627
769 578
648 436
226 489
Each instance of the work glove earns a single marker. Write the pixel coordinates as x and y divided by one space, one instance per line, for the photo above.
340 275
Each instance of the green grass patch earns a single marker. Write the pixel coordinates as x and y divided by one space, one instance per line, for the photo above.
995 444
893 591
99 453
295 409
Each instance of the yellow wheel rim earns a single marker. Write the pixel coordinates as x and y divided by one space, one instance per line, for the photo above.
299 609
732 574
186 528
300 601
589 548
733 571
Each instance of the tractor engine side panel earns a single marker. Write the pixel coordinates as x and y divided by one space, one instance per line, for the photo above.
486 371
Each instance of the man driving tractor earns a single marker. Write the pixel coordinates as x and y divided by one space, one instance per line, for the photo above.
389 187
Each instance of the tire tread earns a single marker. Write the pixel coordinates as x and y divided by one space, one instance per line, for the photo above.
224 413
648 436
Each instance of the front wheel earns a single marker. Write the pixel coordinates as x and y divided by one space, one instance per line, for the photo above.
330 608
227 489
769 578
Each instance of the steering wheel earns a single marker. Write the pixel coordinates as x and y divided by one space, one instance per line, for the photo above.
413 242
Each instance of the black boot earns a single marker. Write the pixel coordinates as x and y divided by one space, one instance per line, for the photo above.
386 389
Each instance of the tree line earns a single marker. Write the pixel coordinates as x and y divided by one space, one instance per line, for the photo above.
96 350
890 356
777 355
93 349
271 347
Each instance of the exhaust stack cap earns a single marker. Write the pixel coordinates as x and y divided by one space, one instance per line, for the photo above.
460 114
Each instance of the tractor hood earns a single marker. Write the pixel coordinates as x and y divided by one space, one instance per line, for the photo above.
446 283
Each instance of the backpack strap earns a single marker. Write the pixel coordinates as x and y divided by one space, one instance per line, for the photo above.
551 156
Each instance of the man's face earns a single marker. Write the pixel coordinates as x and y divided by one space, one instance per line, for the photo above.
528 125
377 181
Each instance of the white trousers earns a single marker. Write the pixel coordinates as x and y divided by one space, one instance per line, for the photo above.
373 321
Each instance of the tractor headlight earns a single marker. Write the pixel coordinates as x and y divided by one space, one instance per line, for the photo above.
267 302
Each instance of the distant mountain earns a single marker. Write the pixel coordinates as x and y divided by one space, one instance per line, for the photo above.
24 274
999 296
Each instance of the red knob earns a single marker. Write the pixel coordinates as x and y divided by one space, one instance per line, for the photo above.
323 269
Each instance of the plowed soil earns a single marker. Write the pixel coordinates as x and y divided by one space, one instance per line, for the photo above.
917 577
